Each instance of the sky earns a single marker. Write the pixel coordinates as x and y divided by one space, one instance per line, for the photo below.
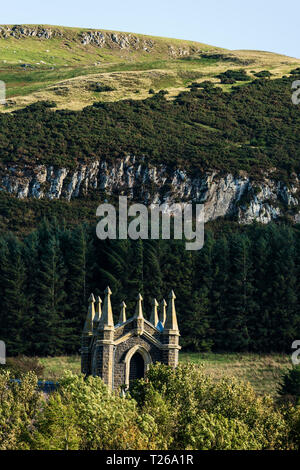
269 25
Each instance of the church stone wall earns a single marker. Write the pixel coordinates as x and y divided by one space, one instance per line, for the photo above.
107 350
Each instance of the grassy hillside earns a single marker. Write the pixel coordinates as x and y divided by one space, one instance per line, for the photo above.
65 69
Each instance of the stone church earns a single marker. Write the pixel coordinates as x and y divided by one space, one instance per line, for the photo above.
123 352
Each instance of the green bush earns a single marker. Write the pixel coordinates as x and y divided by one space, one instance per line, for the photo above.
19 407
295 71
231 76
207 415
227 81
57 425
21 365
291 383
99 87
263 74
206 84
83 414
180 409
292 417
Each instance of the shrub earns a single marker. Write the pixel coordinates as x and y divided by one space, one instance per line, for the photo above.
237 75
93 418
99 87
173 409
291 383
19 406
295 71
227 81
292 417
206 84
263 74
207 415
57 425
21 365
40 106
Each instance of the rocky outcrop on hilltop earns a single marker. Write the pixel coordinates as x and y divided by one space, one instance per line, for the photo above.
119 40
102 39
20 31
223 195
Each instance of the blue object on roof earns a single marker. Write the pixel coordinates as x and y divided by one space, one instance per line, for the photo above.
160 326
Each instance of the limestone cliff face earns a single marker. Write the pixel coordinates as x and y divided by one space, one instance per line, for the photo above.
120 40
241 197
20 31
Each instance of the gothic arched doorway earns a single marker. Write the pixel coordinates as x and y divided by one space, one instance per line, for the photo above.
137 367
137 361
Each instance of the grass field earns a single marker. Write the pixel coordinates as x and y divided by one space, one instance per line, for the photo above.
61 69
262 371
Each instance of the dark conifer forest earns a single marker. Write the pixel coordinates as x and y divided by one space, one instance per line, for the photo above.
239 293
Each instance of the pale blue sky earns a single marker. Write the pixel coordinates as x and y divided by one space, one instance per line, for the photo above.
270 25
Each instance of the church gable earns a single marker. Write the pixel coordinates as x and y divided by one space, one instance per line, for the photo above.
122 353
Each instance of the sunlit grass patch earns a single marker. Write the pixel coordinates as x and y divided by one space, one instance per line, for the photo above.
262 371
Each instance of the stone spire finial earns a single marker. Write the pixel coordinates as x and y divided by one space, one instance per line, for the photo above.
122 318
88 326
98 312
139 308
154 314
163 314
171 321
107 314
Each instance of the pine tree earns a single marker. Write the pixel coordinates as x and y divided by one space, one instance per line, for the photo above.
13 303
219 292
112 267
239 310
177 267
136 280
282 295
50 329
260 320
74 247
152 275
196 322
